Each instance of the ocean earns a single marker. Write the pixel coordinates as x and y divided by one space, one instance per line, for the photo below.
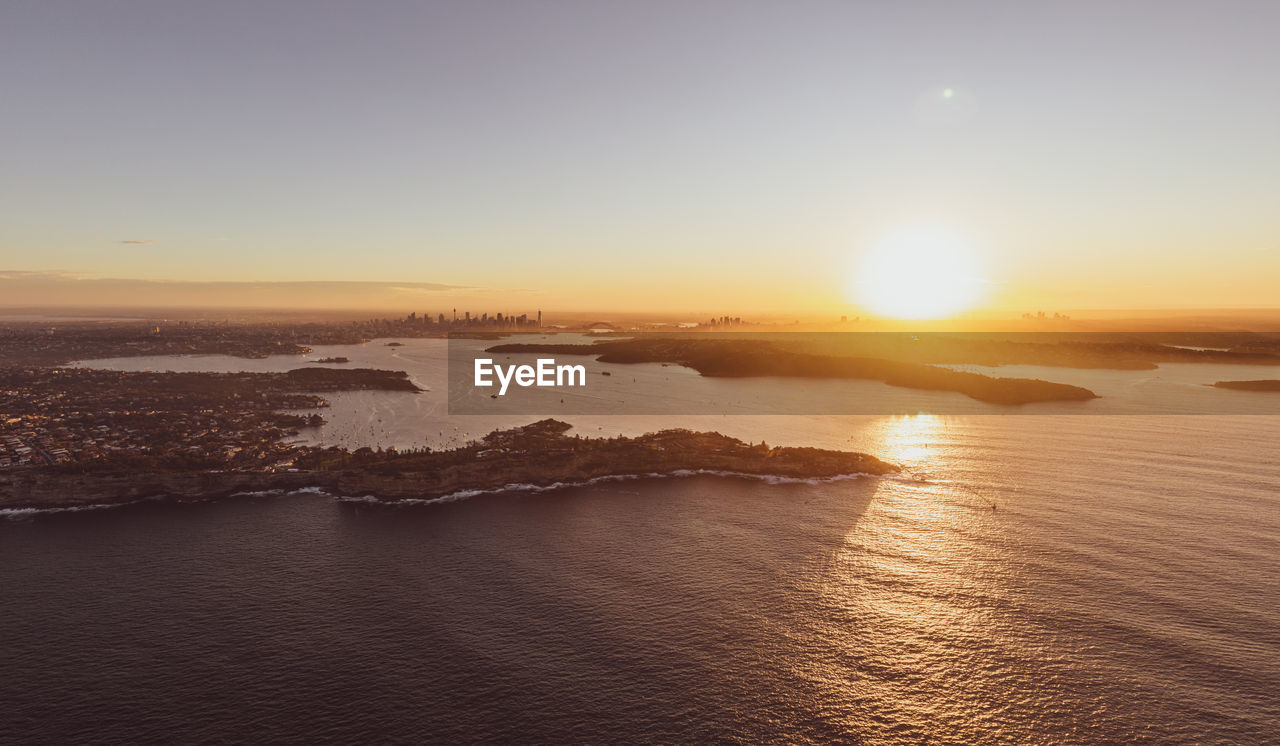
1026 579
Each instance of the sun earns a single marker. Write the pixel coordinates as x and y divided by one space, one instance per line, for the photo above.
919 273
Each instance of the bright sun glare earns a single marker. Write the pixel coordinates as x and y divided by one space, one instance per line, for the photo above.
919 273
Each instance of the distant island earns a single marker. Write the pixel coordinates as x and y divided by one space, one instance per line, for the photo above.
714 357
334 360
1262 385
538 455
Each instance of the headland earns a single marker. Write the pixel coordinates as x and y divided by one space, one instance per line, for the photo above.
538 455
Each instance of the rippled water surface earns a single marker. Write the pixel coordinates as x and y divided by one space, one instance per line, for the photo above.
1025 580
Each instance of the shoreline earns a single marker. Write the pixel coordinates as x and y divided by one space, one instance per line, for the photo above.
78 505
536 457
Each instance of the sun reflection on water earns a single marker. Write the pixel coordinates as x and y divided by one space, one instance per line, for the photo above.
908 441
914 581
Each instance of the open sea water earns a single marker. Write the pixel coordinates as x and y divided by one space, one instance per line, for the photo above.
1026 579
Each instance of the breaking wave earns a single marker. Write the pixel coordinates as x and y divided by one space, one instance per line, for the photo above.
538 488
16 513
519 487
31 512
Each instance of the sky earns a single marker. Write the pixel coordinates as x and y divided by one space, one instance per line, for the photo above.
735 155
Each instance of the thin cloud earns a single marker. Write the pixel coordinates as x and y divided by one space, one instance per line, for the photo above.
427 288
138 241
58 288
46 275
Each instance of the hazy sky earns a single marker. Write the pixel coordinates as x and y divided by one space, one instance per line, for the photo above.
742 154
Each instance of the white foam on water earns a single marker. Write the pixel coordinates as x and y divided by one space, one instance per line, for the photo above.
539 488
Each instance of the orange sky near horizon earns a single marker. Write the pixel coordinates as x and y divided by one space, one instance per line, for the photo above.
659 296
739 158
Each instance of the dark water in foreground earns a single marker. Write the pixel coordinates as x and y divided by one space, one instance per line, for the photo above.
1125 589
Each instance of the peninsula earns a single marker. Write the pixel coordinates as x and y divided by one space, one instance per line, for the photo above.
1262 385
538 455
757 357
